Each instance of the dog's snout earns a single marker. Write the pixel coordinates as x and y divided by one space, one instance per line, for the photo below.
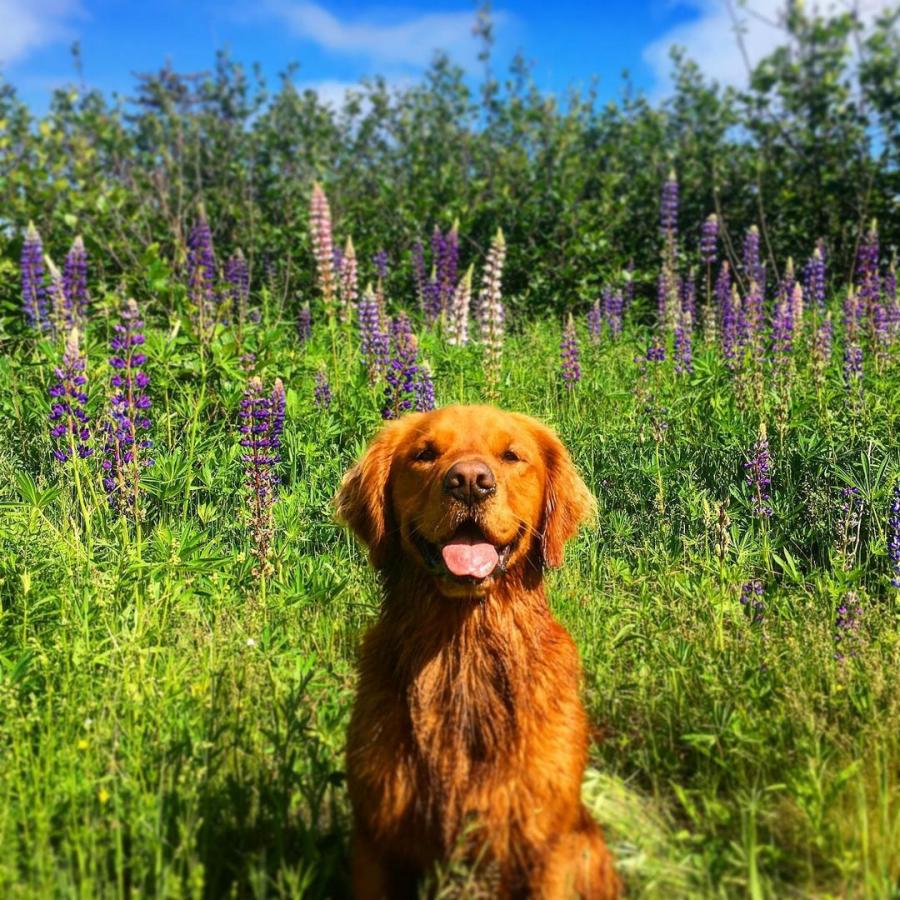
470 481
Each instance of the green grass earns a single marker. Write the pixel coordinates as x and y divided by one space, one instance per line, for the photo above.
167 730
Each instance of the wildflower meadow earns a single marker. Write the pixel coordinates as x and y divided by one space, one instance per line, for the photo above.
182 389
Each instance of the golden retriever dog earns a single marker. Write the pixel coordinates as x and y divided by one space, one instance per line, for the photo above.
468 739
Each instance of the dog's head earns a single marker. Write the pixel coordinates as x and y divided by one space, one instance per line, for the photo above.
466 493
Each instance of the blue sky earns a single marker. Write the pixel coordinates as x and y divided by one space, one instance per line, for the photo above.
337 42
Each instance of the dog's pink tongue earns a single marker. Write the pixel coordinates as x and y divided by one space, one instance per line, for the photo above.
464 556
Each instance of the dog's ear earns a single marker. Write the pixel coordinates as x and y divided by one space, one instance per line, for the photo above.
567 500
362 501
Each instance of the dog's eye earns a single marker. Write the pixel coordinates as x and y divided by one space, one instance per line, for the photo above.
511 456
427 454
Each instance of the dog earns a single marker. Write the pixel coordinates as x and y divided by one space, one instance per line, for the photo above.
467 738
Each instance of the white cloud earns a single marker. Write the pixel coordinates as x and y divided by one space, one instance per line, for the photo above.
26 25
410 42
711 41
333 92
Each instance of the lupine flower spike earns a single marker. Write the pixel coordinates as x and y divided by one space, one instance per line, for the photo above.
322 391
846 626
814 278
752 594
458 312
201 276
69 424
75 280
261 426
683 349
759 475
373 341
425 390
320 231
34 298
304 324
403 374
893 536
61 316
129 422
237 281
348 286
492 314
669 282
613 305
569 356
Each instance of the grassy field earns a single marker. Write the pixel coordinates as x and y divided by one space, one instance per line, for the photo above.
173 726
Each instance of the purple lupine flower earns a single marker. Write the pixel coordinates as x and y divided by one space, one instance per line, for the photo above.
380 261
129 422
62 316
492 315
373 341
668 207
69 424
595 321
432 298
613 304
814 277
759 478
752 594
201 275
853 354
569 356
261 424
75 279
402 372
846 626
723 289
732 325
34 297
709 235
893 536
782 334
419 277
867 278
337 261
425 390
458 311
320 232
753 268
788 280
348 286
322 392
237 285
683 349
656 352
647 390
753 322
689 297
304 324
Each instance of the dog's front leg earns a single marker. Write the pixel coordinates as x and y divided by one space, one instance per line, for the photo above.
376 877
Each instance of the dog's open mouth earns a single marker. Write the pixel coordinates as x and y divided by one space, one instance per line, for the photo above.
467 555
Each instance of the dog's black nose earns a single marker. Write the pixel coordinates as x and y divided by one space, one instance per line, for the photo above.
470 481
